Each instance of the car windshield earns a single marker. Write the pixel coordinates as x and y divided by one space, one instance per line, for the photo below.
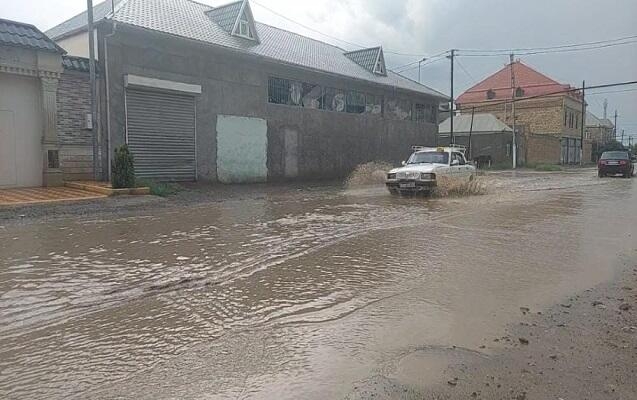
615 155
429 157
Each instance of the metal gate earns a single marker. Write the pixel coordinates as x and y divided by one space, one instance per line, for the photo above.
160 132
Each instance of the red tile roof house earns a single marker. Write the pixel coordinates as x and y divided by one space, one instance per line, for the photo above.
548 119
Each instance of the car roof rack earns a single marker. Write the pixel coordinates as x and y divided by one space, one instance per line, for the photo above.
456 147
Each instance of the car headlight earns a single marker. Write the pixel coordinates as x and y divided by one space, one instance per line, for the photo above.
428 177
391 176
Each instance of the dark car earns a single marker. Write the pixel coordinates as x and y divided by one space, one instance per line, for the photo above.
615 163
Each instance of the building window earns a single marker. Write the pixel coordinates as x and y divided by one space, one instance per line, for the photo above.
355 102
490 94
279 91
399 109
374 104
565 116
425 113
244 27
519 92
312 96
334 100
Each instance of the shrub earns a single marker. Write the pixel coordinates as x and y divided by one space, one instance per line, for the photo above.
161 189
548 167
123 169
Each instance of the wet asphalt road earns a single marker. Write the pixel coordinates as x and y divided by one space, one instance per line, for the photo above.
294 293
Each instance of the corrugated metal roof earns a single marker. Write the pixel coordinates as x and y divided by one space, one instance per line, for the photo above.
25 35
482 123
189 19
226 16
366 58
592 121
79 22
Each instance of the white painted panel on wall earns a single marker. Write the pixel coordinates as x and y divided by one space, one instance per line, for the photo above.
8 175
242 148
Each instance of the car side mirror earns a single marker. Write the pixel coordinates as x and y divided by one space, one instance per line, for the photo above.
455 162
403 163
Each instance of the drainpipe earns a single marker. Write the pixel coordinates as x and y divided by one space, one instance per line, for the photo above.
108 102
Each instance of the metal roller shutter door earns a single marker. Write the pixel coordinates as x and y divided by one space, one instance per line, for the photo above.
161 134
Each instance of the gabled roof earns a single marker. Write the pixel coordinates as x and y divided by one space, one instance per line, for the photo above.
532 83
226 16
19 34
189 19
79 22
482 123
593 121
371 59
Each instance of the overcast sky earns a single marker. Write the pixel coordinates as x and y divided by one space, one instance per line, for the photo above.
428 27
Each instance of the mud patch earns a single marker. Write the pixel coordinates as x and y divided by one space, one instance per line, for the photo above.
372 173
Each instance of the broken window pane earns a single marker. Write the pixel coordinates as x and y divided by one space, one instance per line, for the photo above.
355 103
334 100
399 109
312 96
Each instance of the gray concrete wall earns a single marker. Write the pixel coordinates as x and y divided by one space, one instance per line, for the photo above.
302 143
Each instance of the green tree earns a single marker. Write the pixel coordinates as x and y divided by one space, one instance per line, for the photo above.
123 169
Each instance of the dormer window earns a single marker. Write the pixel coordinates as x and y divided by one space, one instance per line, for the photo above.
244 27
236 19
372 60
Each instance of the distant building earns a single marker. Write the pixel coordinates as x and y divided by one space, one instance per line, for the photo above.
488 140
208 93
599 130
549 120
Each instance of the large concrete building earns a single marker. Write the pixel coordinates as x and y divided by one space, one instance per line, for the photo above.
208 93
548 113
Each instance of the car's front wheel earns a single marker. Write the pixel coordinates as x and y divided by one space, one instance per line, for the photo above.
600 174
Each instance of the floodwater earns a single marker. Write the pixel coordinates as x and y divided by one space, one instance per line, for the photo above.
295 293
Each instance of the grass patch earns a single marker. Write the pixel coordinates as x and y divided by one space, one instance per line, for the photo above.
547 167
161 189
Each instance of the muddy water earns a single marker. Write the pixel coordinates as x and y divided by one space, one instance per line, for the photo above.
295 294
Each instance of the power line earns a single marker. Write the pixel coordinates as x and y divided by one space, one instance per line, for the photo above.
423 65
330 36
554 51
508 51
613 91
515 100
428 58
466 72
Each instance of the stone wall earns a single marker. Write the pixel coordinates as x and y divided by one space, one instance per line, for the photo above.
76 142
542 149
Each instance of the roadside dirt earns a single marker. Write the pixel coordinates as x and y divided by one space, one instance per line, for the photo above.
582 348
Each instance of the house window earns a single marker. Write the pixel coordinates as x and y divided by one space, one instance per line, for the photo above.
565 117
425 113
374 104
312 96
490 94
334 100
355 102
519 92
244 27
399 109
284 91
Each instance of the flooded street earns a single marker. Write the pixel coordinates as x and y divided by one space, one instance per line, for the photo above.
295 293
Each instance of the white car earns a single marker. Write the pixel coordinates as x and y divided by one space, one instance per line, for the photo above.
421 172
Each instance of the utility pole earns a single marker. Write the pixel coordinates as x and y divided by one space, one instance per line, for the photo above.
514 147
91 63
581 142
419 63
622 137
473 111
615 127
451 111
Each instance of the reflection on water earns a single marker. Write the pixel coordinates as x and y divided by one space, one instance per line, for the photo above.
223 289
